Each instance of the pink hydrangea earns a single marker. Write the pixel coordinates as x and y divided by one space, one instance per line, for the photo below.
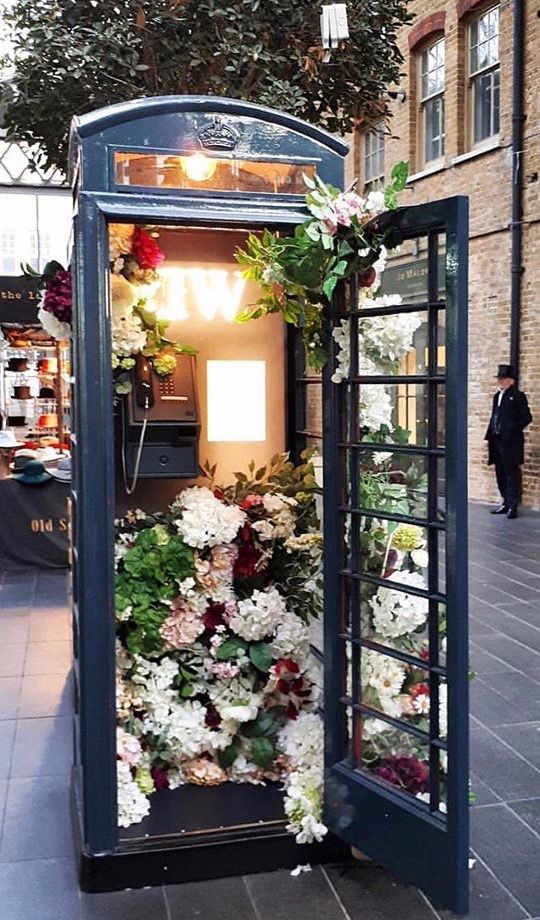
183 625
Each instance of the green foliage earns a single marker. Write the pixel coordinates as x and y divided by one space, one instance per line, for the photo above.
228 755
231 648
147 580
73 56
263 752
260 654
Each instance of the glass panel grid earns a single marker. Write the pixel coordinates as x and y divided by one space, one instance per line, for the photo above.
374 157
485 74
432 78
392 684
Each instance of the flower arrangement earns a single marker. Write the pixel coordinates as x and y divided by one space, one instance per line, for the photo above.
346 235
213 603
56 304
135 257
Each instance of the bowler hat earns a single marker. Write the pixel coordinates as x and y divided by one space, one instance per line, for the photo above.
33 474
505 370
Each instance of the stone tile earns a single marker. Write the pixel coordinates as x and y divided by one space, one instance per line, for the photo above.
7 739
529 811
515 687
217 899
501 769
48 658
46 695
12 658
483 793
10 691
369 893
514 653
490 594
13 628
489 900
46 889
508 621
50 626
492 709
15 596
482 662
502 840
477 628
141 904
42 747
279 896
37 821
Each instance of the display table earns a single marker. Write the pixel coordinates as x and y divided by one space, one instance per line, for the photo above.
34 529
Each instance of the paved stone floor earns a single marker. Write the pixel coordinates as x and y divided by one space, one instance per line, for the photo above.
37 871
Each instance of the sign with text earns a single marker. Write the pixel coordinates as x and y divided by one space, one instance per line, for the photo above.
19 299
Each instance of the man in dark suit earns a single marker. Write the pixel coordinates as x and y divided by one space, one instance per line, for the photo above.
509 416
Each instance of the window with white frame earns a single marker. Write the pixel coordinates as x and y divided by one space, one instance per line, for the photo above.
432 100
374 158
485 75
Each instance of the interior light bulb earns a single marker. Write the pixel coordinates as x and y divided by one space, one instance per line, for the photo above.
198 167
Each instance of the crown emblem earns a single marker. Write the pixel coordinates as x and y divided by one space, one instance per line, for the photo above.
217 135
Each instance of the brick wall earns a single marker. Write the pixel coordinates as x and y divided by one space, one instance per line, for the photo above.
487 179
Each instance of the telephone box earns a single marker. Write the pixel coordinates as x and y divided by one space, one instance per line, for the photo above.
197 174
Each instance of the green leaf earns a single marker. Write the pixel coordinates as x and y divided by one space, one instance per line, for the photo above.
329 286
262 753
227 757
231 648
400 174
260 654
264 725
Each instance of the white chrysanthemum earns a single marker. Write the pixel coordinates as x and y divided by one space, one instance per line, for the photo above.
302 743
396 613
291 638
386 675
133 806
443 710
258 616
205 520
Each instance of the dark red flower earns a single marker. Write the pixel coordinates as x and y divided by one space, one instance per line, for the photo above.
368 277
248 557
408 772
58 297
419 690
286 664
214 615
212 718
291 711
161 780
219 494
145 250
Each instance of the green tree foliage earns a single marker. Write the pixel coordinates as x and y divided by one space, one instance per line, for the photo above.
73 56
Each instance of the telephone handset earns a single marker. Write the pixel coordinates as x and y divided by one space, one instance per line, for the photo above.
164 400
143 384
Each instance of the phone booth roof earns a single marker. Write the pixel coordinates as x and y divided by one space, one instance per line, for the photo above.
220 128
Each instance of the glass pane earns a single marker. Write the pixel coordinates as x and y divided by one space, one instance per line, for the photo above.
399 620
398 414
395 757
392 344
397 552
199 171
399 690
394 482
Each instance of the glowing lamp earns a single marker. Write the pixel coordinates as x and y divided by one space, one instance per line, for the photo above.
236 400
198 167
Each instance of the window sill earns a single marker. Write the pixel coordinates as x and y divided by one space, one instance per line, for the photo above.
493 144
428 171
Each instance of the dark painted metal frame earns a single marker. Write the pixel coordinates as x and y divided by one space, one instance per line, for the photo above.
414 840
105 864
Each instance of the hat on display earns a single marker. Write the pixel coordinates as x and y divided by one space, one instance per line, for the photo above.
48 441
48 365
18 421
506 370
48 455
8 439
47 420
62 472
34 474
21 458
22 392
47 393
17 364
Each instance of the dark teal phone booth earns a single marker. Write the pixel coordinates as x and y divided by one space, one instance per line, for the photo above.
178 164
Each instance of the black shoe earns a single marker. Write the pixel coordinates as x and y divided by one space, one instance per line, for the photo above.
502 509
512 513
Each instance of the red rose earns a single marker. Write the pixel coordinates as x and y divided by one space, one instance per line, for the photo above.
161 780
145 249
368 278
212 718
58 298
214 615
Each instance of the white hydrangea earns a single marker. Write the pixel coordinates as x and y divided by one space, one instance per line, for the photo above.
259 615
236 701
205 520
396 613
302 743
388 337
187 731
291 638
133 806
55 327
